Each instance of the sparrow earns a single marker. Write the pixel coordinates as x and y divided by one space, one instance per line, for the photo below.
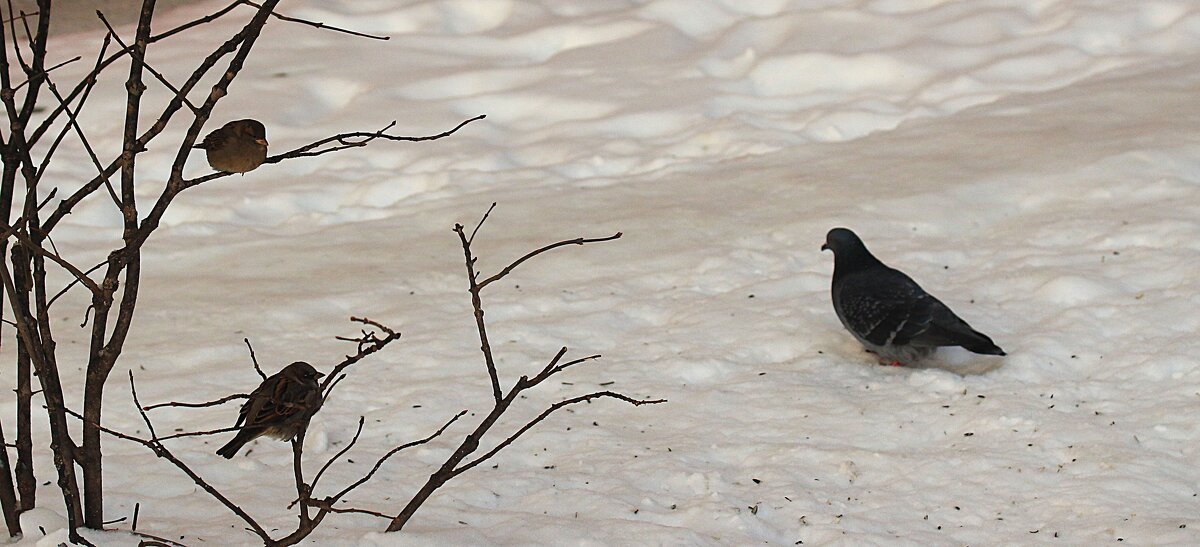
237 147
888 312
280 407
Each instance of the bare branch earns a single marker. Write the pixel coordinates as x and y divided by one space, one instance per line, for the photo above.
379 463
158 75
138 404
73 282
163 452
313 149
154 541
282 17
480 224
477 304
248 32
340 453
577 241
22 16
220 401
556 406
80 276
90 78
198 433
73 122
254 359
554 368
48 70
17 45
327 506
303 491
368 344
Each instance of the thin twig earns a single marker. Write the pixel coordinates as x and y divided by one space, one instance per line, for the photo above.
220 401
90 78
73 122
329 390
485 347
158 75
480 224
324 505
316 24
567 402
199 433
577 241
379 463
254 359
342 452
155 541
312 149
303 491
12 25
553 368
48 70
64 263
242 39
163 452
375 344
73 282
138 404
22 16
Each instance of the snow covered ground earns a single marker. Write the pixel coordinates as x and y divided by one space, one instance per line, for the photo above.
1032 163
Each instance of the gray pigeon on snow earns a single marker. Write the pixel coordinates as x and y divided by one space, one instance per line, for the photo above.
888 312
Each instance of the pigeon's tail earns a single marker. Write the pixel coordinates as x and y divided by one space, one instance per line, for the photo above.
978 342
952 331
234 445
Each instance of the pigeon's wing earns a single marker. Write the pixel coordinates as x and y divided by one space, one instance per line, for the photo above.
885 307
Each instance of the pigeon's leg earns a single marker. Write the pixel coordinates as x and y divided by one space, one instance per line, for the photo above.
893 364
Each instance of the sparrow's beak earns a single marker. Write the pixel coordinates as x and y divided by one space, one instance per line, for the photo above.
824 246
261 141
320 374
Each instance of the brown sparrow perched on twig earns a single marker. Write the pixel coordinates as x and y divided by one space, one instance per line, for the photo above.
280 407
237 147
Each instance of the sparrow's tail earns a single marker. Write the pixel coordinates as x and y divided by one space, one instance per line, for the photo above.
234 445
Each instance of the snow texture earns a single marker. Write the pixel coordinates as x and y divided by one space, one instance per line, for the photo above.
1033 163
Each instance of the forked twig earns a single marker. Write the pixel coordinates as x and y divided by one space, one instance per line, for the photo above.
367 344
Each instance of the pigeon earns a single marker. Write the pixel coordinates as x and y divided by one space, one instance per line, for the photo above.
280 407
237 147
888 312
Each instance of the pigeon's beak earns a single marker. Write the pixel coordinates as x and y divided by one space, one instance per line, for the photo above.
824 246
261 141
